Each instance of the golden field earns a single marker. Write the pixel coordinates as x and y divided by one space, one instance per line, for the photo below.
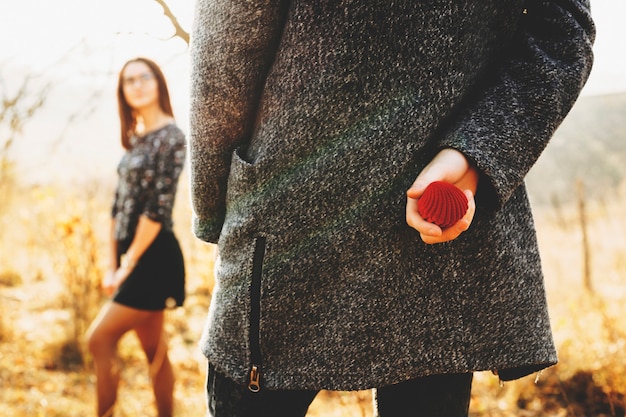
52 245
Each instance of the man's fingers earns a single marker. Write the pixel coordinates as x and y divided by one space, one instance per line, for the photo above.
449 233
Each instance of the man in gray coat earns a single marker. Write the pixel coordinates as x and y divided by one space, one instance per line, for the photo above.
310 120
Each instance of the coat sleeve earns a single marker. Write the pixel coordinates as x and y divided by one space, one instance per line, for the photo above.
507 122
233 44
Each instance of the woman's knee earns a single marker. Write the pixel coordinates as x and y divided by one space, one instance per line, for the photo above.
96 341
101 341
112 323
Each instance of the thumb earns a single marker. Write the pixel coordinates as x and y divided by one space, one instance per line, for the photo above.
448 165
416 190
423 180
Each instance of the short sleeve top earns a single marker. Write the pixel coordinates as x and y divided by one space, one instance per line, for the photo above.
148 179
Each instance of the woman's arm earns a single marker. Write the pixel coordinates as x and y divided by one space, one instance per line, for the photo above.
146 232
113 264
168 159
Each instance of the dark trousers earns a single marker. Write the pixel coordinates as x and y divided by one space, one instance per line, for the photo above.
431 396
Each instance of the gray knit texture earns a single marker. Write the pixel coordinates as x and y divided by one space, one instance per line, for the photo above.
310 120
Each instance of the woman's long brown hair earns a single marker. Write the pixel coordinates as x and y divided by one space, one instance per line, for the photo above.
128 118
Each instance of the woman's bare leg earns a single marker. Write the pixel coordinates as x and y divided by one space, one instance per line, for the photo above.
154 343
113 321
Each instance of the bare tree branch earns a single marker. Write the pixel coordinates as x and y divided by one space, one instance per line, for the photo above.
15 110
180 32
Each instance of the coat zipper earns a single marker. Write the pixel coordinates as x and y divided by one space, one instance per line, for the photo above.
255 316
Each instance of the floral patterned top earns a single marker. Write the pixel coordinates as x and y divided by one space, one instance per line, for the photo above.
148 179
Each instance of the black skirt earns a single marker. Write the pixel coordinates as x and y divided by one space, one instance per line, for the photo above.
158 280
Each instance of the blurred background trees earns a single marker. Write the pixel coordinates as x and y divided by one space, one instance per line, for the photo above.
16 109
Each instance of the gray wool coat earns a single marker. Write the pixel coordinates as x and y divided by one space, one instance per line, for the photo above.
311 119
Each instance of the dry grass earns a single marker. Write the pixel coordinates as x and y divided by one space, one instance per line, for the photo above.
42 372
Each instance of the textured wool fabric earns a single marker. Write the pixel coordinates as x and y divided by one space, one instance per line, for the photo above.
310 120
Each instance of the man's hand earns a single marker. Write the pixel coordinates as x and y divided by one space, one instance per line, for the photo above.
450 166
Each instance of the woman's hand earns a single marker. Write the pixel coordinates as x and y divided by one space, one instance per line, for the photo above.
114 278
450 166
108 286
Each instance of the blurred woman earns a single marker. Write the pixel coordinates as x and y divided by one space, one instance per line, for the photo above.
146 271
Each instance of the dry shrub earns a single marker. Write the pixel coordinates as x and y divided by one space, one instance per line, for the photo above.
580 394
65 355
586 292
593 369
5 330
10 278
82 276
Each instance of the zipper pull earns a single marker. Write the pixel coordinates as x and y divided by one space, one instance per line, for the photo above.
255 379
